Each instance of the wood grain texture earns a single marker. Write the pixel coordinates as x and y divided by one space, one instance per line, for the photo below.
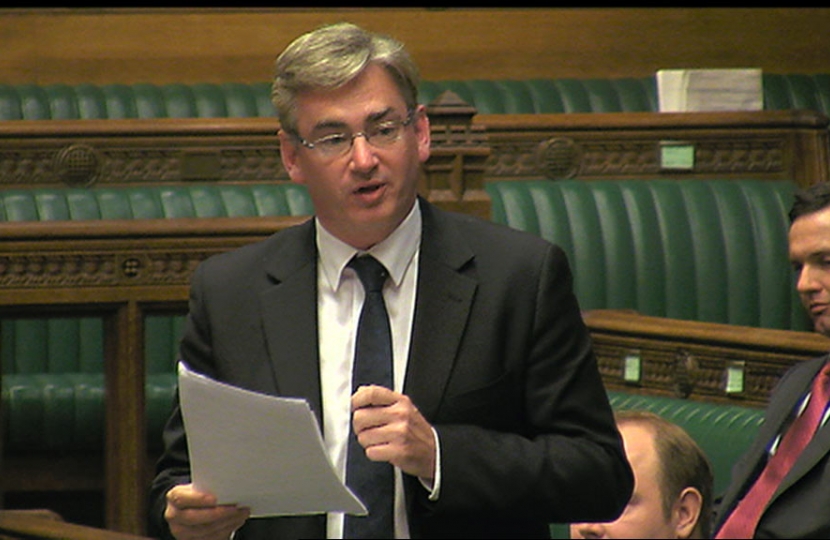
166 45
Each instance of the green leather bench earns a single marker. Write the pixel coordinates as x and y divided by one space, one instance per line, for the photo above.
704 250
607 95
211 100
115 101
548 96
52 382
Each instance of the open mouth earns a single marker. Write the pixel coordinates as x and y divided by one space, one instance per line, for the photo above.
368 189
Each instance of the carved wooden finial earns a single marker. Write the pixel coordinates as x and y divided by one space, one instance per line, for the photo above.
454 173
448 103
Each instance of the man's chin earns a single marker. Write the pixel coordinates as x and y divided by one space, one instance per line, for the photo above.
822 325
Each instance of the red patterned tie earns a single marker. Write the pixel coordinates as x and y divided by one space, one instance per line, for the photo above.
744 518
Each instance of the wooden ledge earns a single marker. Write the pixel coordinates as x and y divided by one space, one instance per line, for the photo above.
656 121
46 525
614 321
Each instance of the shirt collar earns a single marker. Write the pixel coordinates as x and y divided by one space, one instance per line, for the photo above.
395 252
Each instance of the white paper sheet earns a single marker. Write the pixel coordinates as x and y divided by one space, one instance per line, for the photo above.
698 90
259 451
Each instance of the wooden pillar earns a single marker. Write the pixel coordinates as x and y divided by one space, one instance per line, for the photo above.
125 490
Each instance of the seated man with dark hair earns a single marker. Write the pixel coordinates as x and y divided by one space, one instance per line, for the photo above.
779 488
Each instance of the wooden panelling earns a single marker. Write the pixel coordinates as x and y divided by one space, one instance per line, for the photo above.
779 145
690 359
165 45
775 145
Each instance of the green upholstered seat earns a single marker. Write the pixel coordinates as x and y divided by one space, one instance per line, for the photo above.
797 91
549 95
143 100
53 384
180 201
713 250
497 96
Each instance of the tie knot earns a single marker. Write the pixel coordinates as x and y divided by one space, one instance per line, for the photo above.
370 271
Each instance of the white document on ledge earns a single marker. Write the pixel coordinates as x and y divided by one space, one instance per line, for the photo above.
259 451
701 90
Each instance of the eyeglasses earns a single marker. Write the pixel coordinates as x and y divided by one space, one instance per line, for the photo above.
380 135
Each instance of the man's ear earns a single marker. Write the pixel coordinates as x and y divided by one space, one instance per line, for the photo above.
288 152
423 133
686 513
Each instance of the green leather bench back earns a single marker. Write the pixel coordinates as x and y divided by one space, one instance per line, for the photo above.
797 91
547 96
117 101
157 202
608 95
53 383
713 250
211 100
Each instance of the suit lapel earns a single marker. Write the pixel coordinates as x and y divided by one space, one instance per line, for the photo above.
289 317
442 309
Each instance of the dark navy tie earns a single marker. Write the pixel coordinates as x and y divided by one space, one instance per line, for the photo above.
373 482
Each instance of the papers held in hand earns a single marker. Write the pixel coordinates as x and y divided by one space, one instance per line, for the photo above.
259 451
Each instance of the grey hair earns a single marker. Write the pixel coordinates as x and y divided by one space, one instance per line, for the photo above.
333 55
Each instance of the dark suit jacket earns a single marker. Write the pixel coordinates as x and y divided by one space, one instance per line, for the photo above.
500 363
800 508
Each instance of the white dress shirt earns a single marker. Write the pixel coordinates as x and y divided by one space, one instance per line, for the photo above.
340 298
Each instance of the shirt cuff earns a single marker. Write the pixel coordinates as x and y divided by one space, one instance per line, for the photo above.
434 487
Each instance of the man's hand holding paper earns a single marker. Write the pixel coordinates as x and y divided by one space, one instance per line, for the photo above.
194 514
258 451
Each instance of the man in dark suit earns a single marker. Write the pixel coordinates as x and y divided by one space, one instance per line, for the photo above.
497 422
798 506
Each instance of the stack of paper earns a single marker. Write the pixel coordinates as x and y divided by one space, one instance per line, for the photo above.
701 90
259 451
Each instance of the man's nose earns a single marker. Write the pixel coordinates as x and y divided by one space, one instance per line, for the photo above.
806 281
363 153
